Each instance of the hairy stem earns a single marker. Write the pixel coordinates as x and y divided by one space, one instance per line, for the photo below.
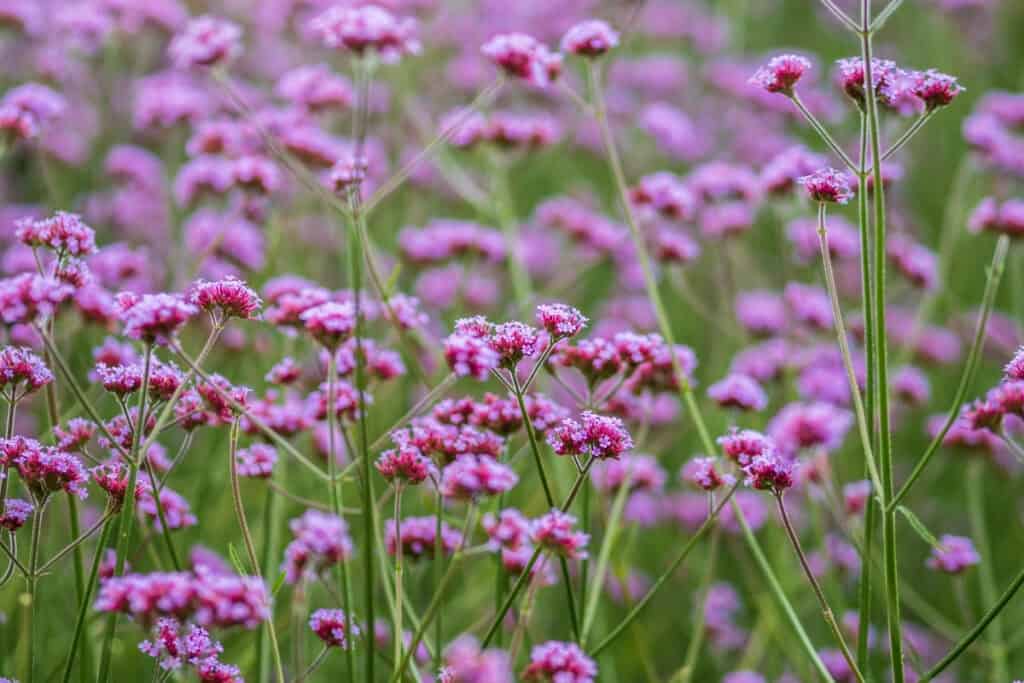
826 611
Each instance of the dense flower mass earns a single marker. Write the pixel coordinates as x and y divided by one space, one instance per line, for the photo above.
207 41
597 436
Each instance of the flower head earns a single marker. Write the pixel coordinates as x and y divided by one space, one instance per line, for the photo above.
64 233
590 38
555 532
330 323
560 321
703 473
406 464
473 476
332 627
935 88
22 372
257 460
558 662
321 541
781 73
827 185
470 356
522 56
154 318
367 28
14 513
954 555
738 391
595 435
465 662
770 472
229 298
206 42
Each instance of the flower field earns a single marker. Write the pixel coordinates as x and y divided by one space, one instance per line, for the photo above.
476 342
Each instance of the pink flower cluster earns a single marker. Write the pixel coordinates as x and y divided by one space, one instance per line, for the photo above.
419 537
597 436
210 599
558 662
321 541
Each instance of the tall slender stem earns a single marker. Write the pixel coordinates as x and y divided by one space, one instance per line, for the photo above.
438 598
867 306
891 570
976 513
86 600
826 610
650 283
336 490
603 558
972 635
357 230
127 516
539 462
33 587
396 633
527 572
780 596
995 274
844 348
250 547
704 528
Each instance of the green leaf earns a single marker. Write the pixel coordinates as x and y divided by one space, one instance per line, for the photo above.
392 281
236 561
919 527
277 584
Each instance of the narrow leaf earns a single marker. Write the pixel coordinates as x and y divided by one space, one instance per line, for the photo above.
919 527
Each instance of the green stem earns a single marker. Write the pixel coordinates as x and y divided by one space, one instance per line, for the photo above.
438 598
165 531
603 558
909 133
844 348
826 610
650 283
867 305
524 577
336 489
976 496
396 633
250 547
995 274
256 421
85 603
356 257
823 133
271 522
79 539
510 228
780 595
975 633
652 591
33 588
891 571
438 570
693 649
538 460
127 515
